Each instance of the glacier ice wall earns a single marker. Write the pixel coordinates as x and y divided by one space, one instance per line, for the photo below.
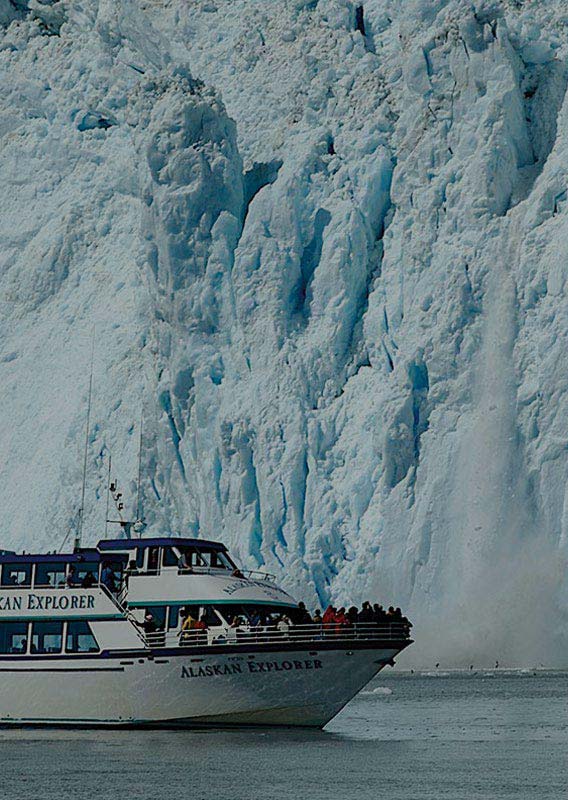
321 250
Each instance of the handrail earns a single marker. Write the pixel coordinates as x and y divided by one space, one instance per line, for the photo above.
271 634
203 570
250 574
115 599
258 575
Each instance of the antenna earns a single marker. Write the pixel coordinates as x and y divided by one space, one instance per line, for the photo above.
138 517
79 533
108 493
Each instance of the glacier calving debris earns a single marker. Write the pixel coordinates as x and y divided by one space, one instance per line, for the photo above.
321 248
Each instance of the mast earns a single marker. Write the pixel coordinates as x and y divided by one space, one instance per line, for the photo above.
108 493
138 517
79 532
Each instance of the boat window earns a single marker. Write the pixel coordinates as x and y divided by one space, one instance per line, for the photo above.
80 638
140 552
16 574
87 574
50 573
221 560
13 637
174 617
203 558
229 611
211 618
118 564
190 556
47 637
170 559
153 559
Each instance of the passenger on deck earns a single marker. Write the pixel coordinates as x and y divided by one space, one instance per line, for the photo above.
379 615
329 617
317 618
189 623
366 614
71 579
132 568
341 620
107 577
256 619
201 628
149 624
284 624
353 615
303 615
88 580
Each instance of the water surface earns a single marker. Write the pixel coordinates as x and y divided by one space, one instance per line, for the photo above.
406 737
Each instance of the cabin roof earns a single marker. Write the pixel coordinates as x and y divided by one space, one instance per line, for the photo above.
105 545
86 554
158 541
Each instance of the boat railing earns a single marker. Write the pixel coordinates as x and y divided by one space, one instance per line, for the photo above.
270 634
258 575
203 570
250 574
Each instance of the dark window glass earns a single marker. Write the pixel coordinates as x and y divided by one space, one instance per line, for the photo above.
221 561
47 637
169 558
80 638
190 556
153 559
16 574
117 566
50 573
13 637
228 611
140 557
211 618
204 559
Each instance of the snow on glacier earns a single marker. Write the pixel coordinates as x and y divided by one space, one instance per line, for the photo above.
321 249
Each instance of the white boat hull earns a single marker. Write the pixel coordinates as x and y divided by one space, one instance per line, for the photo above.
292 687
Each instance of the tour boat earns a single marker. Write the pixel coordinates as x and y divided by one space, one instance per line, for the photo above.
78 646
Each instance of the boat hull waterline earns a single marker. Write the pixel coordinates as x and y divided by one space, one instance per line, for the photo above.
288 687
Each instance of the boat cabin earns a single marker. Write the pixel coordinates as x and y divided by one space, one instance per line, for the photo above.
67 603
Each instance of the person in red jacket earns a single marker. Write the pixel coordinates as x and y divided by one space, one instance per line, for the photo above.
341 620
201 628
329 617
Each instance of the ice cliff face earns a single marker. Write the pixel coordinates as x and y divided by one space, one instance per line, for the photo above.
323 249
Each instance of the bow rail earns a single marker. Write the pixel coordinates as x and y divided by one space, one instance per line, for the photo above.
297 634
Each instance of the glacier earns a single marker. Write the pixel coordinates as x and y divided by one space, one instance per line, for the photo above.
320 248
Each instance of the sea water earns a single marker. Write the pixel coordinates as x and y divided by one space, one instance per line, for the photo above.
423 736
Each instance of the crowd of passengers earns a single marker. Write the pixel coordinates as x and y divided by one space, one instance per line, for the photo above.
333 621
